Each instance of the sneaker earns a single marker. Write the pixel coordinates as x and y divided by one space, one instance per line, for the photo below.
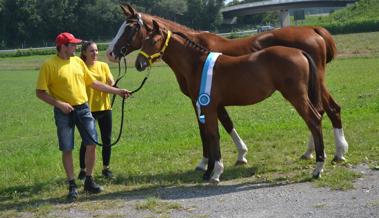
90 186
82 175
72 193
107 173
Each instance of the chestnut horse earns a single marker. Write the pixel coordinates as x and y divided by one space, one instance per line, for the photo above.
316 41
237 80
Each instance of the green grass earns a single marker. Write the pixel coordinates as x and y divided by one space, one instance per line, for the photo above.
160 145
357 44
155 205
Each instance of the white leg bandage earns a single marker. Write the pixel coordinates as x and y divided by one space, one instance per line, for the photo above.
311 148
318 170
241 146
202 166
341 144
218 170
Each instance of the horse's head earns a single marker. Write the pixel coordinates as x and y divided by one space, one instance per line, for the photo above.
129 35
153 47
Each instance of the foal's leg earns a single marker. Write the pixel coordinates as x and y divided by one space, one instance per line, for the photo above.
212 136
311 144
202 165
333 110
313 120
227 123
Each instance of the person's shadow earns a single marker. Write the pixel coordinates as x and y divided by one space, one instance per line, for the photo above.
169 186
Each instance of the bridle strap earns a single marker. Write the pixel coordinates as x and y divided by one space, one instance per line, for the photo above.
140 23
152 58
119 77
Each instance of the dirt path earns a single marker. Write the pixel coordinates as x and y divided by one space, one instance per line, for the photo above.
244 200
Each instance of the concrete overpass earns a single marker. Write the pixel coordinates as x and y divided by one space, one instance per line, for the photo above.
230 13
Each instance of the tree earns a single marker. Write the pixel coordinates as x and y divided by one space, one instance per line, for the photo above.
203 14
20 20
171 9
57 16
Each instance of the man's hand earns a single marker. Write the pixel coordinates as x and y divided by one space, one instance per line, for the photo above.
63 106
66 108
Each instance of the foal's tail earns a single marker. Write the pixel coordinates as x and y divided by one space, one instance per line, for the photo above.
314 92
331 49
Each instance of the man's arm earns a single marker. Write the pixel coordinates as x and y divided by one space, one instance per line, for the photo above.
63 106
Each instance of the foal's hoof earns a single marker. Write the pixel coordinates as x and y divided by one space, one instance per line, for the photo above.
214 181
241 162
337 159
317 174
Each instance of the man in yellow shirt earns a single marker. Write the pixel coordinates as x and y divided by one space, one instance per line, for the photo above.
62 83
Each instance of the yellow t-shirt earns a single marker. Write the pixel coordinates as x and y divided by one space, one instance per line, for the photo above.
98 100
65 80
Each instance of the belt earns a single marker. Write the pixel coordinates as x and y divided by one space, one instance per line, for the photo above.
80 106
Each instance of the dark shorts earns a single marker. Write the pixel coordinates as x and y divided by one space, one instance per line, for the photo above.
82 119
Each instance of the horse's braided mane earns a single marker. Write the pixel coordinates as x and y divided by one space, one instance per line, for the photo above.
171 23
191 43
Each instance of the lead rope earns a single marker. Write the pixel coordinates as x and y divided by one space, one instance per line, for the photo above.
122 104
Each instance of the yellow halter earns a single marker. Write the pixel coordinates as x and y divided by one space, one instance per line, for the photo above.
158 54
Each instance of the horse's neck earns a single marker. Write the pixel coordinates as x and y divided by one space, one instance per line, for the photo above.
232 47
189 59
170 25
187 55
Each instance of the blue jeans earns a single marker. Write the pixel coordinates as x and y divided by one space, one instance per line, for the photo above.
82 118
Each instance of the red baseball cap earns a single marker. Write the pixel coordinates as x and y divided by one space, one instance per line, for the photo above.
65 38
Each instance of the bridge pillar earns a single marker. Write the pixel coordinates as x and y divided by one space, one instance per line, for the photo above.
284 18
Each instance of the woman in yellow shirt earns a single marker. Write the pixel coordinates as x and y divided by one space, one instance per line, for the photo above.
99 104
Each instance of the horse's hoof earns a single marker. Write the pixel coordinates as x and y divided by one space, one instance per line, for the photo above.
206 177
241 162
337 159
316 176
199 169
306 157
214 181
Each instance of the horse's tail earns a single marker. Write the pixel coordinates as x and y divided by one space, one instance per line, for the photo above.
314 88
331 49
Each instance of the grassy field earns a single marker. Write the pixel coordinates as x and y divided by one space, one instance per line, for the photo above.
160 145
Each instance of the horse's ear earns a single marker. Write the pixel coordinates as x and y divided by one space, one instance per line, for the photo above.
155 26
128 10
147 27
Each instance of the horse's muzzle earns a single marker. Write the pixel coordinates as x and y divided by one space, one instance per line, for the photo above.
141 63
112 57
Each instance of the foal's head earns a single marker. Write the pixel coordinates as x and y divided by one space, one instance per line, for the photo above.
153 47
129 36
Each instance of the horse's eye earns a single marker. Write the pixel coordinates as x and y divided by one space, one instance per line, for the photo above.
153 42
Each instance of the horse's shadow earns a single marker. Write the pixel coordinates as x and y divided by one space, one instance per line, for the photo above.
190 186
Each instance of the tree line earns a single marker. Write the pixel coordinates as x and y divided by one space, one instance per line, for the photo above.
30 23
26 23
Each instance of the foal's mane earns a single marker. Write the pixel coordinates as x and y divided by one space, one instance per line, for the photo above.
191 43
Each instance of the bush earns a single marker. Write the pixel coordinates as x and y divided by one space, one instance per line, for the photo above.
28 52
363 16
353 27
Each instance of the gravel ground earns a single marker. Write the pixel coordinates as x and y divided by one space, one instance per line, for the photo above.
250 200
